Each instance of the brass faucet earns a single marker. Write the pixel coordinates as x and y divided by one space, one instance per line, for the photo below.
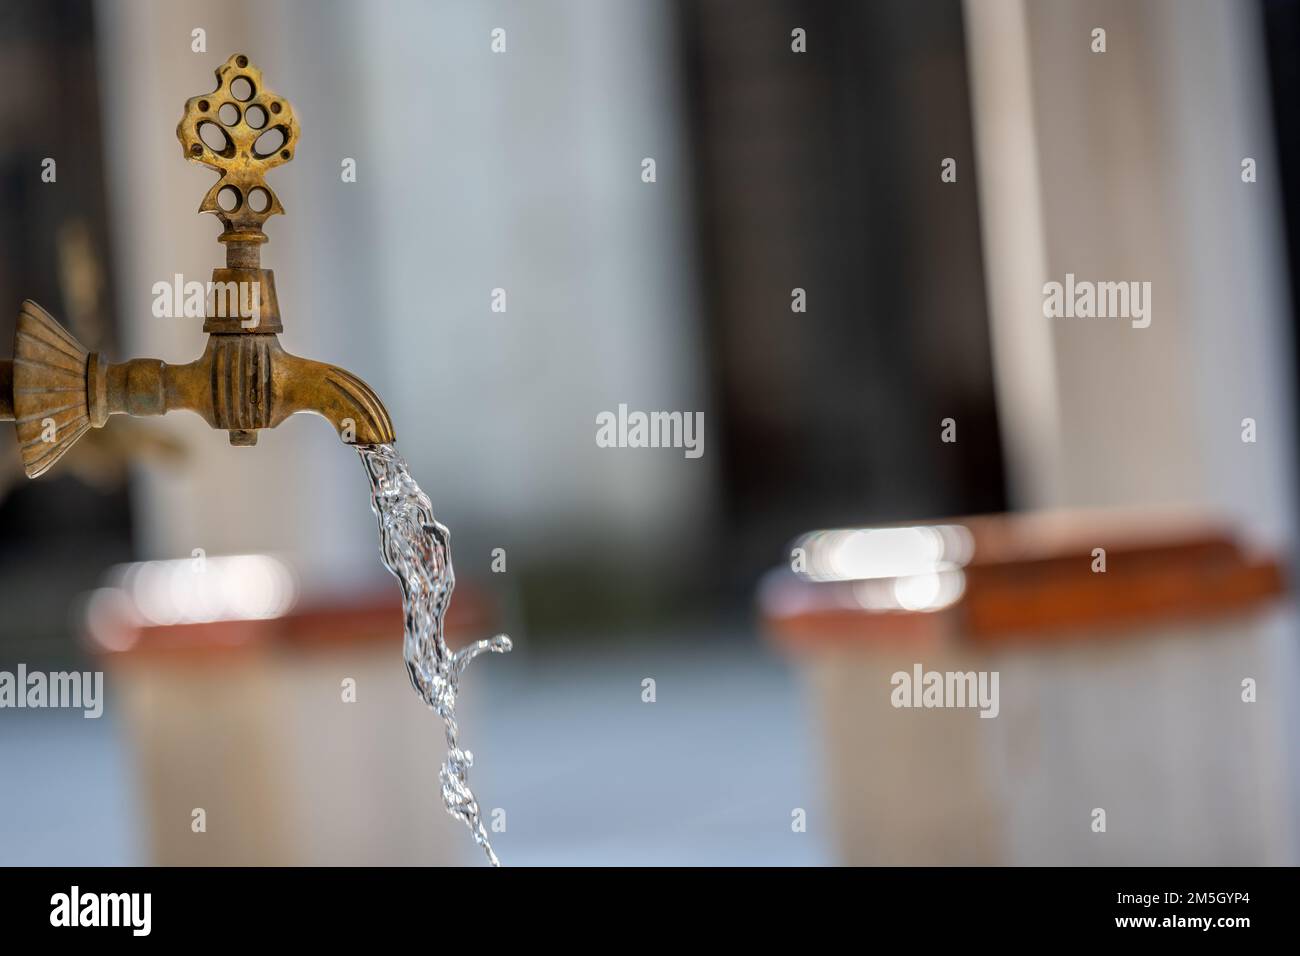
54 390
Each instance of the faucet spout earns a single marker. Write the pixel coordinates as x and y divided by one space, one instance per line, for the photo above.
349 404
242 383
54 390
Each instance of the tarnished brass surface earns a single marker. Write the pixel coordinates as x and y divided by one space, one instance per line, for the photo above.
54 389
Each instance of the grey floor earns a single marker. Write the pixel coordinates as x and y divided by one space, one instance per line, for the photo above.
707 774
66 796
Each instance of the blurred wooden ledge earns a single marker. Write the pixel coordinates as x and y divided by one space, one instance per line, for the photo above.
285 728
1029 578
372 617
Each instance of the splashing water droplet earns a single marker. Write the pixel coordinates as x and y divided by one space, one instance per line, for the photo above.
417 550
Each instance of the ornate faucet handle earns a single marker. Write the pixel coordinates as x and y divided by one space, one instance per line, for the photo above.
253 130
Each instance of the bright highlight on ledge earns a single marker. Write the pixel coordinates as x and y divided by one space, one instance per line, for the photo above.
857 554
199 590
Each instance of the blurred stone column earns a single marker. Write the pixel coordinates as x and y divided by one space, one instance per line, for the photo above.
1126 166
298 491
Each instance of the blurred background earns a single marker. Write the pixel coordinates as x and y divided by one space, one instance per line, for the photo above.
798 148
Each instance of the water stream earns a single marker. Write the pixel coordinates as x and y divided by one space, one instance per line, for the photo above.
417 550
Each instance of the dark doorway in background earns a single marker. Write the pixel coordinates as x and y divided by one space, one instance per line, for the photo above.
57 534
1282 40
820 171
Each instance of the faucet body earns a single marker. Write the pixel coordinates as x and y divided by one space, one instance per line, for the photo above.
54 390
241 384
